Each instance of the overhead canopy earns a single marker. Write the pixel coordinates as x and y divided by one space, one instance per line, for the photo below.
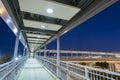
60 10
42 20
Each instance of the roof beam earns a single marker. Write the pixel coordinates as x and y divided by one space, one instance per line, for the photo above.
90 11
27 29
95 7
68 2
78 52
34 43
76 3
38 38
42 18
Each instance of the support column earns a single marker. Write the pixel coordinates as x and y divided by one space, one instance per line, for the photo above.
44 51
16 44
40 53
58 55
27 52
24 51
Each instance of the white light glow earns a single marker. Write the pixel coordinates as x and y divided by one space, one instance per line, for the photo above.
1 12
15 30
8 20
19 56
65 31
2 9
38 36
118 56
25 46
49 10
20 37
42 26
16 58
102 53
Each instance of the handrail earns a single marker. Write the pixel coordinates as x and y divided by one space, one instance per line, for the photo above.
77 71
11 68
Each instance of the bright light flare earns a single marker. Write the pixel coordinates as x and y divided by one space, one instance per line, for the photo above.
16 58
19 56
49 10
42 26
15 30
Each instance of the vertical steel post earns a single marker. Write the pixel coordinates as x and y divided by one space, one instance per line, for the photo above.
16 44
40 53
44 57
58 56
44 51
68 73
86 73
27 52
24 51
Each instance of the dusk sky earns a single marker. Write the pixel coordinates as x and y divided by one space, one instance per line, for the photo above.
7 39
100 33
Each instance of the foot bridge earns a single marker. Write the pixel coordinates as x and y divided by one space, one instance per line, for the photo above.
35 24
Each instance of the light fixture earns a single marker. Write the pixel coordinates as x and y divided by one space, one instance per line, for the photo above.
19 56
42 26
16 58
49 10
15 30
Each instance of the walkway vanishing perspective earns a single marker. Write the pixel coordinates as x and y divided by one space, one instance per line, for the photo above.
33 70
35 24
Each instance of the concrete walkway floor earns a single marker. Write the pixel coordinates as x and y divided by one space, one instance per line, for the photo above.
33 70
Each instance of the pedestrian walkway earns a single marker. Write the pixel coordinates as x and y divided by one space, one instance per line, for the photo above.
33 70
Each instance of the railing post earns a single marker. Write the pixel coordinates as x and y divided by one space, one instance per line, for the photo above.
24 51
58 56
40 53
68 73
44 55
44 51
86 73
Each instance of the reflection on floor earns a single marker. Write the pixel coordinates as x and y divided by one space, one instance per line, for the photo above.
33 70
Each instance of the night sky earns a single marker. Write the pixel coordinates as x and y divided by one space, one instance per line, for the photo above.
7 40
100 33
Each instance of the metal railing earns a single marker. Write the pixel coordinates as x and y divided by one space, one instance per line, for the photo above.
9 70
71 71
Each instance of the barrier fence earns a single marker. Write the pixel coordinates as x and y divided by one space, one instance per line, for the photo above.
71 71
10 70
